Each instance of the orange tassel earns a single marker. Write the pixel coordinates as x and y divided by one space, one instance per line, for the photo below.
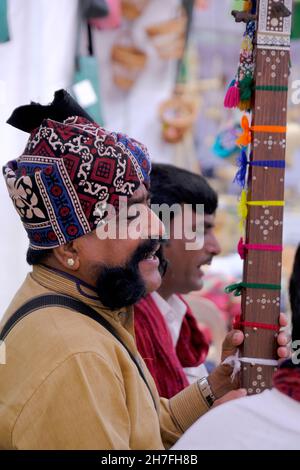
247 5
245 138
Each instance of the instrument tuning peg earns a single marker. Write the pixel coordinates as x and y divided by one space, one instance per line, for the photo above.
243 16
279 10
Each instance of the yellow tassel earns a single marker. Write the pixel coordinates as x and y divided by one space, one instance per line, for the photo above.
247 45
243 204
242 209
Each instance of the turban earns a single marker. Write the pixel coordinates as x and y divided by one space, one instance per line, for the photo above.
69 172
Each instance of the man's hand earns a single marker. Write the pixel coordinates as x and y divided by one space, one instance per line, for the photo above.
220 379
233 395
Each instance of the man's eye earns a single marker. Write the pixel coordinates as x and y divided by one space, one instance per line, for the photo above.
132 214
132 217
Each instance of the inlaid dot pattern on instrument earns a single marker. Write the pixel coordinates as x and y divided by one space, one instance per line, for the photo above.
272 142
273 23
261 306
266 223
259 383
265 300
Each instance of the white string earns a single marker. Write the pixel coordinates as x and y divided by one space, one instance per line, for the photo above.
235 362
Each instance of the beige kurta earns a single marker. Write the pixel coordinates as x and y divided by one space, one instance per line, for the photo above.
69 384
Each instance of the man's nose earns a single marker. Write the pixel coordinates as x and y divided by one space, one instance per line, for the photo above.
213 246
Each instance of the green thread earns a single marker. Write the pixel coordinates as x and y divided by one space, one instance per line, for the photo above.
237 288
271 88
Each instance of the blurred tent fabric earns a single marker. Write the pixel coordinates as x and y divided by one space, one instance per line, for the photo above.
86 80
38 59
4 29
296 20
136 112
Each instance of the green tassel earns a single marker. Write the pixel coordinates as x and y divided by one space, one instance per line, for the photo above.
236 289
246 86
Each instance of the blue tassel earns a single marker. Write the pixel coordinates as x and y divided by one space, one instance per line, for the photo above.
242 162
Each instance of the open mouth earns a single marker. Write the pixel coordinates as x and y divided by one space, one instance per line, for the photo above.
204 265
152 254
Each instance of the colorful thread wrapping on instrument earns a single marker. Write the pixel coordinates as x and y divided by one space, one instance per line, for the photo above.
243 162
271 88
243 206
236 289
243 247
250 324
246 136
272 129
235 362
268 163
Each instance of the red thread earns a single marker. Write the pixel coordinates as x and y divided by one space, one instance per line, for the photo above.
242 247
263 326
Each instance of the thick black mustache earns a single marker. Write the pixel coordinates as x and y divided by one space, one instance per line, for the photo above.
123 286
144 250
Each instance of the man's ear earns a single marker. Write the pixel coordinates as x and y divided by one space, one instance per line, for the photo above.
67 255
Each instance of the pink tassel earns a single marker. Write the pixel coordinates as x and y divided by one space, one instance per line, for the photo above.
241 249
232 97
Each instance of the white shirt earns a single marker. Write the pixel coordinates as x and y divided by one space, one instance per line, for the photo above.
268 421
173 312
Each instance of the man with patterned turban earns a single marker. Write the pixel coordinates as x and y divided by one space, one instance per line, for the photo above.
73 378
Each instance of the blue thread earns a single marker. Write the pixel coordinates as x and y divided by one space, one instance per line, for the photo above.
269 163
242 162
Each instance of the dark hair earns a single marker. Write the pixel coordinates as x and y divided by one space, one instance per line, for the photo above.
295 296
171 185
34 257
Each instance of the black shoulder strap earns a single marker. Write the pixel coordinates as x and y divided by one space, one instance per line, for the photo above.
56 300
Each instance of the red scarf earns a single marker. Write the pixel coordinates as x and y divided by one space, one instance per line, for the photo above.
155 345
287 380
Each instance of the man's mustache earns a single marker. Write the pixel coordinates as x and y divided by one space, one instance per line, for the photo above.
145 249
121 286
